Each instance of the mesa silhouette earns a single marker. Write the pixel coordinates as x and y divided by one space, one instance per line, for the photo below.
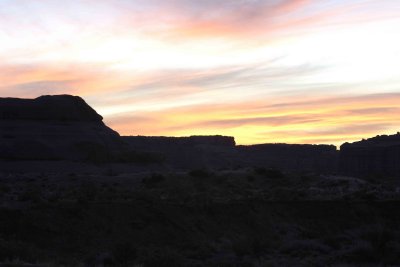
73 192
65 132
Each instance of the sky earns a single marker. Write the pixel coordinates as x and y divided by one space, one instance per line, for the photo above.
294 71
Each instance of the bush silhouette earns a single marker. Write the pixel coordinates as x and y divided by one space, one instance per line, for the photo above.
153 180
199 173
269 173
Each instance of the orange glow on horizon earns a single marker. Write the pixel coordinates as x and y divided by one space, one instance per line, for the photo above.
306 122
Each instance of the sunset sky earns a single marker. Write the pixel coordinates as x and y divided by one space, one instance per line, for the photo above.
296 71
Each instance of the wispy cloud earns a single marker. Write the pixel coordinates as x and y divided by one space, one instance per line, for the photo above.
263 71
30 80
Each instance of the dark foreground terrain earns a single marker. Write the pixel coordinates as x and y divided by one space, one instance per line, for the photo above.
247 217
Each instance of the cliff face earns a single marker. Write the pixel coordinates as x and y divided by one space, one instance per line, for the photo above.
221 152
377 156
157 142
49 108
315 158
188 152
53 127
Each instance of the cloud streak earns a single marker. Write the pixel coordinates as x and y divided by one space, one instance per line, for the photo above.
318 120
263 71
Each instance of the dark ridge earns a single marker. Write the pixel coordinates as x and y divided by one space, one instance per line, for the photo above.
65 127
374 157
57 107
379 140
60 127
214 140
220 152
297 157
282 146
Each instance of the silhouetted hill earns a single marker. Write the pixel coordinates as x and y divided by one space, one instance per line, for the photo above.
188 152
53 128
155 142
316 158
220 152
56 108
374 157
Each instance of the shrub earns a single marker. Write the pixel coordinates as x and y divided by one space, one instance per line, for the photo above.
269 173
8 136
250 178
153 180
144 157
199 173
124 252
53 197
165 257
304 247
16 250
110 172
87 192
374 244
4 188
32 194
362 252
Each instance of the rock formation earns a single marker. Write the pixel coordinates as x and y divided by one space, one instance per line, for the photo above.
375 157
155 142
188 152
53 128
315 158
221 152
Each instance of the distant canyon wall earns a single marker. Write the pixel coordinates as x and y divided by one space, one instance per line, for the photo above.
375 157
64 127
221 152
215 152
297 157
156 142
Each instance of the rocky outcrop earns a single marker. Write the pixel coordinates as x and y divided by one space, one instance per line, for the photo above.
155 142
297 157
188 152
47 108
375 157
220 152
54 128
